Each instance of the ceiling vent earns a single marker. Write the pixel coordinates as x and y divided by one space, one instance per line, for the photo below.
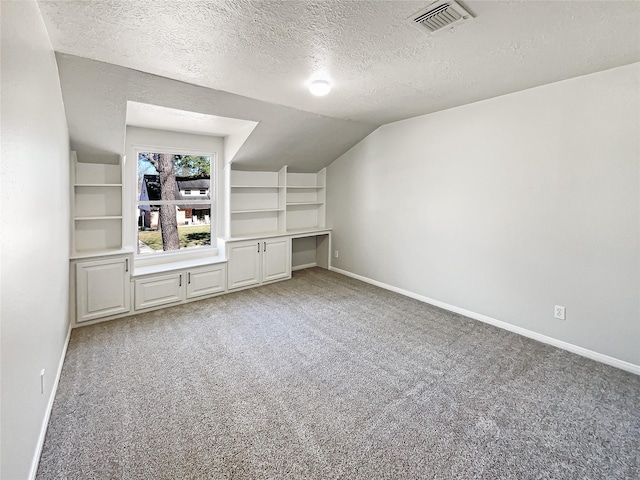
439 16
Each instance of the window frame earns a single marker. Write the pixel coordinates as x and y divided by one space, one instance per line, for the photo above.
162 257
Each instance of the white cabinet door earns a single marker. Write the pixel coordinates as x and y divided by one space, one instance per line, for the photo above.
159 290
276 259
102 289
206 280
244 264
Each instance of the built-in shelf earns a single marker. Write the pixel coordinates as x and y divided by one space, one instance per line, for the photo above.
98 185
274 203
100 253
258 210
257 186
99 217
301 232
305 201
96 205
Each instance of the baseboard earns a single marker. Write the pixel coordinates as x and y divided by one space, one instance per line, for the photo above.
47 415
598 357
302 267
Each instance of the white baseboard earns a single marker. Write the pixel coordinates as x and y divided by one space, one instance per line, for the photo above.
598 357
302 267
47 415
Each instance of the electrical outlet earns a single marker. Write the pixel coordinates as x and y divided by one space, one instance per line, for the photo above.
42 381
559 312
336 253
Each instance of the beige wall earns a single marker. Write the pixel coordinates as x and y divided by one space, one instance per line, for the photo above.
506 208
34 244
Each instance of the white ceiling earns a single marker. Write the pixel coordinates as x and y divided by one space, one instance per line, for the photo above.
163 118
234 130
98 97
383 68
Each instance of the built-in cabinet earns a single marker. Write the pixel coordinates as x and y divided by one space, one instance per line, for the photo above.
268 203
102 288
205 281
158 290
253 262
276 259
96 205
268 214
175 287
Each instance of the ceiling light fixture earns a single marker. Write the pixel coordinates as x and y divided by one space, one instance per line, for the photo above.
319 87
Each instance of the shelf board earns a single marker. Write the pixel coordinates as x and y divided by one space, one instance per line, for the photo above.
296 232
99 217
254 235
309 187
259 210
304 203
257 186
98 185
100 252
308 231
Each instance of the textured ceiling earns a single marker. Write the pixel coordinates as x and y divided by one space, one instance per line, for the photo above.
96 95
383 68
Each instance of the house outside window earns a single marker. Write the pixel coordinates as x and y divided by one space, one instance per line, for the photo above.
167 221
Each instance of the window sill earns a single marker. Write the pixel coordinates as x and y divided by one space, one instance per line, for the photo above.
176 261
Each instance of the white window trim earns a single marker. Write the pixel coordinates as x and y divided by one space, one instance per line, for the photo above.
162 257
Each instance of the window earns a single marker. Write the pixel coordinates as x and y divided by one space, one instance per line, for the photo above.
203 191
167 221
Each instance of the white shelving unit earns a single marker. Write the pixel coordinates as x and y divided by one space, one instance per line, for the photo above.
306 193
271 203
96 203
256 203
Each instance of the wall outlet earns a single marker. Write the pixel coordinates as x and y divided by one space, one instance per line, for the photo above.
336 254
42 382
559 312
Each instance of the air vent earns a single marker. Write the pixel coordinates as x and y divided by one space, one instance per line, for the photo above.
439 16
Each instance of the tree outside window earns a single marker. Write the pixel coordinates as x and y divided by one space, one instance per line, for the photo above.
170 218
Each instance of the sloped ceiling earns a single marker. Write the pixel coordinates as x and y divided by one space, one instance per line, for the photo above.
95 96
254 57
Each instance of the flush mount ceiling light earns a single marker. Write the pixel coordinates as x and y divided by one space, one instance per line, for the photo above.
319 87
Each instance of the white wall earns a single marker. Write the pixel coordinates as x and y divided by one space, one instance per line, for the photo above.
35 232
506 208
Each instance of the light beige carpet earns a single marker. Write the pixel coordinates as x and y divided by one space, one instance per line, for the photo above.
326 377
